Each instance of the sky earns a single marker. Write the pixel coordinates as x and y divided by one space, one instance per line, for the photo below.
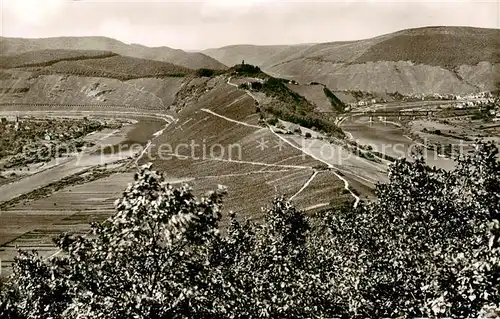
196 25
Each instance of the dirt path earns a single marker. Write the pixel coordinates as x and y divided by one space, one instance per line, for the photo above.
244 162
346 183
332 167
316 206
246 91
232 84
248 173
284 160
231 120
304 186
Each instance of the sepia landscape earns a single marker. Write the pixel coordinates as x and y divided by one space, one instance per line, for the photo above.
350 178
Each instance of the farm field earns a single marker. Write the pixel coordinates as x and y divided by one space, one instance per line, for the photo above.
364 171
93 156
260 168
215 138
58 196
32 225
218 141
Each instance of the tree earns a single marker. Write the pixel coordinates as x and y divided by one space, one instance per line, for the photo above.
141 263
205 72
428 246
423 248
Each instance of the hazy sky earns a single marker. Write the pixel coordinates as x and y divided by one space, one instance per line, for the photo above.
205 24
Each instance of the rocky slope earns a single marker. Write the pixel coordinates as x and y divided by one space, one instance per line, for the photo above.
143 93
424 60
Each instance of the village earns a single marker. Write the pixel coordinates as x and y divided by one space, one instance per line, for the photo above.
466 100
26 143
485 101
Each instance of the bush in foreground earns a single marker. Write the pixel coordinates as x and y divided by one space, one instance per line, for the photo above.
428 246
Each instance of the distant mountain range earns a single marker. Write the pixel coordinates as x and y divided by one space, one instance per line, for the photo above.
423 60
192 60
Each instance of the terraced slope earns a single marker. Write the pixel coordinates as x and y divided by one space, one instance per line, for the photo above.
11 46
216 140
90 77
424 60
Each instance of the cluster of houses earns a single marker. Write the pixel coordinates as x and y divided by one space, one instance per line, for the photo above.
496 112
485 95
480 95
466 100
365 102
476 103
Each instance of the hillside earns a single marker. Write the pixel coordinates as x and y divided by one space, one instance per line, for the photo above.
276 99
117 67
323 99
254 54
223 115
90 63
315 94
439 46
11 46
424 60
146 93
49 57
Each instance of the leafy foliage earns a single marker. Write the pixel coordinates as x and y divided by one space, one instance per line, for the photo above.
424 247
309 120
203 72
292 107
428 246
244 86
